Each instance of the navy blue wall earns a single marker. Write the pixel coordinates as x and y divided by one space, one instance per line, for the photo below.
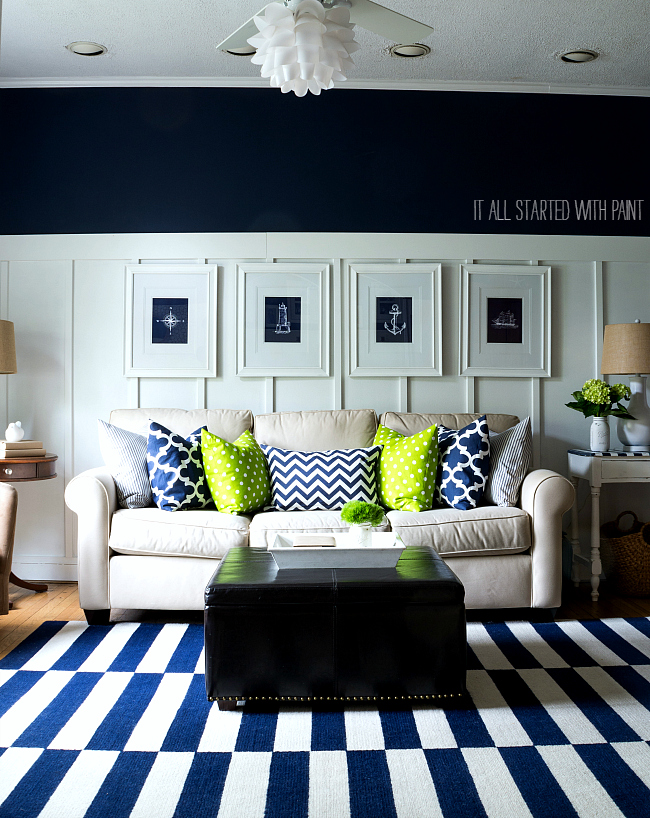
104 160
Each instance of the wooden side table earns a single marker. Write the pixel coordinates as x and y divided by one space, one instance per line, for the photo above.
27 470
597 468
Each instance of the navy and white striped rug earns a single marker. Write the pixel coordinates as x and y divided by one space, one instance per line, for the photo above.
99 722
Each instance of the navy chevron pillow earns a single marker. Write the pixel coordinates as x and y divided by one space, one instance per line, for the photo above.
322 481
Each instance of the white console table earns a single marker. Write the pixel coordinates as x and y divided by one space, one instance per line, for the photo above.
598 468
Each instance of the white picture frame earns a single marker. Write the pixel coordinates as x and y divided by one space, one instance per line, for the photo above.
265 287
497 299
411 294
149 288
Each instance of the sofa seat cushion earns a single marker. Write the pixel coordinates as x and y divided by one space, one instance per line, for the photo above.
195 533
265 525
481 531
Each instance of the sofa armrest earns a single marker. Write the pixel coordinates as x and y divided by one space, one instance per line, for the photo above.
545 497
93 498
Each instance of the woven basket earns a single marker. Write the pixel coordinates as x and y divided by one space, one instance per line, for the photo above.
632 563
609 533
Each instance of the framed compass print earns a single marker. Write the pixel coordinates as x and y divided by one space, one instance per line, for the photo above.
505 321
395 326
170 327
283 320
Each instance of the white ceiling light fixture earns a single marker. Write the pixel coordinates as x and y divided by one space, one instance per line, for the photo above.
84 48
305 45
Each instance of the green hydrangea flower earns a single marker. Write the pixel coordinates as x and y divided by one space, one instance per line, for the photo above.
599 399
596 391
620 391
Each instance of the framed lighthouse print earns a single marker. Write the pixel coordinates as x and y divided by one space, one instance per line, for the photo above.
170 321
505 327
283 320
395 326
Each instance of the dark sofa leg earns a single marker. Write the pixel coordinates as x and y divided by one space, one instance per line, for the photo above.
97 617
544 614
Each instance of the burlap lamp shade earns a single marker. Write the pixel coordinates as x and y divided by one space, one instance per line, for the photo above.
626 349
7 349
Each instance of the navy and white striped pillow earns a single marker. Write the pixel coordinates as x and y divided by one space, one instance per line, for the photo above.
125 454
510 456
311 481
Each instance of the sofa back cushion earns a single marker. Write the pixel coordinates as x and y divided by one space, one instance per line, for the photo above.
408 423
225 423
317 431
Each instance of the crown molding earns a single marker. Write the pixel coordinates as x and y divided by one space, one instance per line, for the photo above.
382 85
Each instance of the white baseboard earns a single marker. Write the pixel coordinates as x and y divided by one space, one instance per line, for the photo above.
45 571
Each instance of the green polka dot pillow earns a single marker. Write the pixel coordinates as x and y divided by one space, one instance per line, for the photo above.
237 473
407 468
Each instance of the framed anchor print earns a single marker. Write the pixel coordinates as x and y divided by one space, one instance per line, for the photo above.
395 326
170 327
505 321
283 320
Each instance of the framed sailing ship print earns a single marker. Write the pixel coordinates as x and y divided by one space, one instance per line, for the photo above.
395 326
283 320
505 321
170 321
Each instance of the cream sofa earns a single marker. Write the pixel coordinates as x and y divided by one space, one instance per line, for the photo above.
153 559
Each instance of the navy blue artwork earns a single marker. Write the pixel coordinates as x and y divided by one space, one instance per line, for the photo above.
394 320
504 320
169 321
282 317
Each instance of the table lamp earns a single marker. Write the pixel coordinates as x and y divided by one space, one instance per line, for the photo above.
626 351
7 349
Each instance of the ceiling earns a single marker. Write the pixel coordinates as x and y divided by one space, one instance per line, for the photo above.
475 43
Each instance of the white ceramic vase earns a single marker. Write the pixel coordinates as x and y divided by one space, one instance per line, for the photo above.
361 534
599 435
635 434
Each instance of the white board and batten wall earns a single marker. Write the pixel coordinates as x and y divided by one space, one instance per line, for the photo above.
65 295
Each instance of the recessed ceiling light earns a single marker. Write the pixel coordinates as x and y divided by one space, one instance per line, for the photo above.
244 51
411 50
581 55
87 49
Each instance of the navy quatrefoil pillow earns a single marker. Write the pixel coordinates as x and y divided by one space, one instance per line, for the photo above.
176 470
463 465
325 481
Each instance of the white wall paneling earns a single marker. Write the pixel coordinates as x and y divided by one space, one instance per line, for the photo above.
4 315
133 391
65 295
403 399
269 395
40 395
599 316
470 393
67 465
535 419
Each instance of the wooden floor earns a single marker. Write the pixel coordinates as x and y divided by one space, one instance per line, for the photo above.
61 602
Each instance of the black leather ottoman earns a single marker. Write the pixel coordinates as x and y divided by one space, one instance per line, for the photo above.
333 635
